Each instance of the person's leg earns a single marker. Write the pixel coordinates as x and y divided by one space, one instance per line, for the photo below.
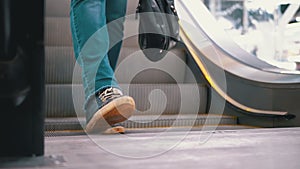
91 44
115 11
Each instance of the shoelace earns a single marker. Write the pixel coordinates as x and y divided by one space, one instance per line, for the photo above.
110 93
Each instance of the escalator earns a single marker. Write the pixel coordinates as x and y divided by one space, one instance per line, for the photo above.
236 90
64 108
258 93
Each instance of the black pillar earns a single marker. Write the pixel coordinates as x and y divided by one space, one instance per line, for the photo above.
21 77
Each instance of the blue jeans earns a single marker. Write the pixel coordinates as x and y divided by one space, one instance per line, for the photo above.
97 43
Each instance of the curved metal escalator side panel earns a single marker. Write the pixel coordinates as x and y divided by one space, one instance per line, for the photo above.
195 12
238 62
218 89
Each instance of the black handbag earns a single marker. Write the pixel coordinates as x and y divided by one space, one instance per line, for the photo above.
158 27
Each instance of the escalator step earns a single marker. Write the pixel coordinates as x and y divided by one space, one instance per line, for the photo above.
59 100
61 8
211 128
59 124
59 66
58 31
186 128
57 8
145 121
60 63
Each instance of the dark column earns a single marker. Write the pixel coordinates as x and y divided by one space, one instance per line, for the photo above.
21 77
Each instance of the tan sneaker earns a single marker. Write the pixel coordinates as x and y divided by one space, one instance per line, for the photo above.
113 108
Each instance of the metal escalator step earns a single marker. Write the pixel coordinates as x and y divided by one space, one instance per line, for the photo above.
146 121
61 8
59 67
59 100
60 63
147 102
187 128
57 22
210 128
131 29
58 31
57 8
150 121
59 124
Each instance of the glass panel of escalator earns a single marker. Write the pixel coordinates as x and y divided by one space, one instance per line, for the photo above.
269 30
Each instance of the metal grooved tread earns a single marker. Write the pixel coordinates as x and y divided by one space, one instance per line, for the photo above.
57 8
177 121
61 103
61 8
60 66
57 31
146 121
